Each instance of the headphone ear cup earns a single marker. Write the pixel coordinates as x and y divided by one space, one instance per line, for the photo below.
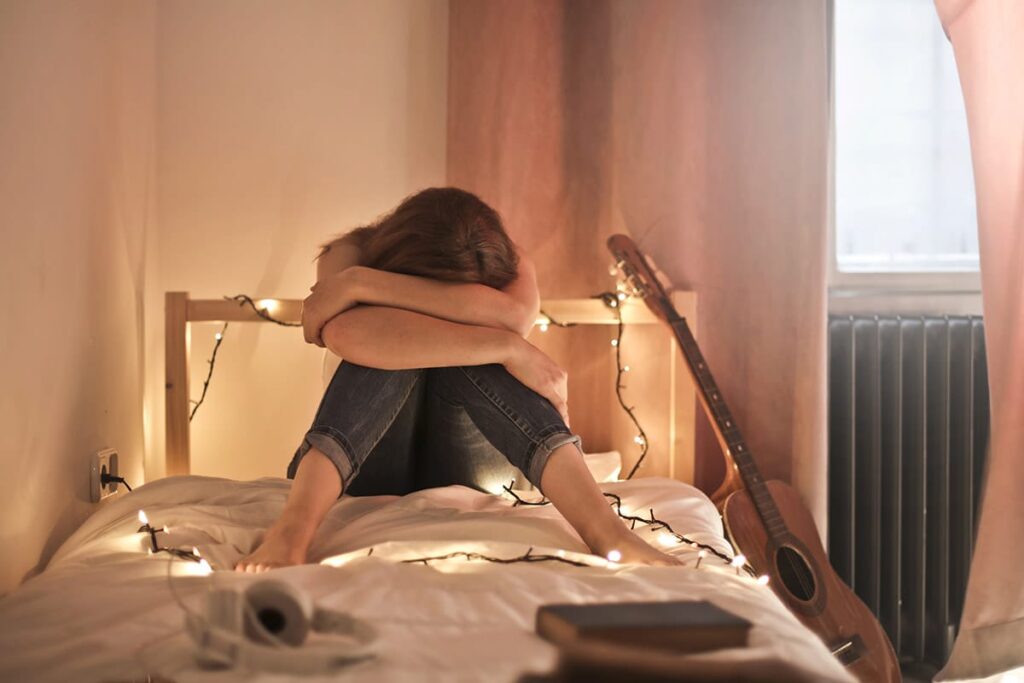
277 613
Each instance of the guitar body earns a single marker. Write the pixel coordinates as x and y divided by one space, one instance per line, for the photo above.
766 519
800 574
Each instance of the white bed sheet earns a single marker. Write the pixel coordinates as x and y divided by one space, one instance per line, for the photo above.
102 610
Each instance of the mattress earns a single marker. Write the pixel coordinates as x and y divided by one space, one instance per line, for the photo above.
103 608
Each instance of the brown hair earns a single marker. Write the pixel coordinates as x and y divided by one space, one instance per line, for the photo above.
443 233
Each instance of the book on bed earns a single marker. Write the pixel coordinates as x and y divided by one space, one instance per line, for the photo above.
681 626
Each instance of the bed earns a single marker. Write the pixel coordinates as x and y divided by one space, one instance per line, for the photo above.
105 608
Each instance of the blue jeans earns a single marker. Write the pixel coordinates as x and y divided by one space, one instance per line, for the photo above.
397 431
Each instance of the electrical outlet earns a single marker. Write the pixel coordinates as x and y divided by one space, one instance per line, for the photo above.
102 462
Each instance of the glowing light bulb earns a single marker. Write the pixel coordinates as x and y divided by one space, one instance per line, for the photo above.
561 553
543 327
701 554
621 296
625 368
195 551
218 336
143 519
204 568
614 303
665 538
615 342
267 304
739 560
762 580
614 556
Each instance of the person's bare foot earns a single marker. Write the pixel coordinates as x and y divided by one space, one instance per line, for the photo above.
284 544
633 550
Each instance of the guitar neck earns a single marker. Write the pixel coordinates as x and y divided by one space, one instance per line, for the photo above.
734 446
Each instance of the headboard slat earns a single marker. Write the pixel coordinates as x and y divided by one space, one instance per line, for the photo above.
176 338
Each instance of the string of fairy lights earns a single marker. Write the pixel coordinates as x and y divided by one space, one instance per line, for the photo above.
667 536
612 300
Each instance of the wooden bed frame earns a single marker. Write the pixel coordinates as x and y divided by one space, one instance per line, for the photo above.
181 311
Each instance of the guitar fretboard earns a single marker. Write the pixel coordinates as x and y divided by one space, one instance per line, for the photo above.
727 430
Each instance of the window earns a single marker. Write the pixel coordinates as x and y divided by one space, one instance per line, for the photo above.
904 189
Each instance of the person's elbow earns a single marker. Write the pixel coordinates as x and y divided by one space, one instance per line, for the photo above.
522 318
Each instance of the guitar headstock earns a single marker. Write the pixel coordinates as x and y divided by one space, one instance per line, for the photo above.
639 277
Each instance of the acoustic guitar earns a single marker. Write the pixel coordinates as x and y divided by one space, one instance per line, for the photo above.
766 520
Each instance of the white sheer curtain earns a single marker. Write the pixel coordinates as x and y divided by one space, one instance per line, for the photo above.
988 40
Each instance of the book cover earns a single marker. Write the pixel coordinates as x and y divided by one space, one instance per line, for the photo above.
679 626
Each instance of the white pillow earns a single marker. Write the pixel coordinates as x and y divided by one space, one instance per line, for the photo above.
604 466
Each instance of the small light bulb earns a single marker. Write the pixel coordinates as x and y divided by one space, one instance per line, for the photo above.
143 519
625 368
614 556
739 560
267 304
543 327
621 296
639 440
561 553
218 336
615 342
701 554
762 580
614 303
204 568
667 539
195 551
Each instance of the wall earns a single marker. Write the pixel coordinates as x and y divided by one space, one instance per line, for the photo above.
701 129
76 210
280 125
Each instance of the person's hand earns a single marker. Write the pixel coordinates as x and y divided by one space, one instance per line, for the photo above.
330 297
537 371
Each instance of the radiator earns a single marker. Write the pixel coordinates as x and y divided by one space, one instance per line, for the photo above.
908 434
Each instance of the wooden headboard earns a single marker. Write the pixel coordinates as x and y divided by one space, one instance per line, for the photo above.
181 312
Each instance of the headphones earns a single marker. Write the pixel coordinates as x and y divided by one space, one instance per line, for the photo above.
265 626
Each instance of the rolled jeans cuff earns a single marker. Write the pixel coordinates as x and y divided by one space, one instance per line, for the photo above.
333 447
542 452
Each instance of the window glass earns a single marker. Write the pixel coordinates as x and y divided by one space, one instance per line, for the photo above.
904 196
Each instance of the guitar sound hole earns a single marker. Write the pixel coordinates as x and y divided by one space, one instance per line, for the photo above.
796 575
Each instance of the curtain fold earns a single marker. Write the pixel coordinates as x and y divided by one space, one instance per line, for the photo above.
987 41
701 129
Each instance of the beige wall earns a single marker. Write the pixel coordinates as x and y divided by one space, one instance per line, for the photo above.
280 124
248 132
76 221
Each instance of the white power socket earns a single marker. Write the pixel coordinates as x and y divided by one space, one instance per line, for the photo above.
104 461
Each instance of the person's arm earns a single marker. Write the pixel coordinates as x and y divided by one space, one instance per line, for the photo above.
512 308
398 339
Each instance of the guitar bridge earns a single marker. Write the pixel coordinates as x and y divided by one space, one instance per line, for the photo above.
848 651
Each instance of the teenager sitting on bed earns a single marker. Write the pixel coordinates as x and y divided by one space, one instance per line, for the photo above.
430 308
